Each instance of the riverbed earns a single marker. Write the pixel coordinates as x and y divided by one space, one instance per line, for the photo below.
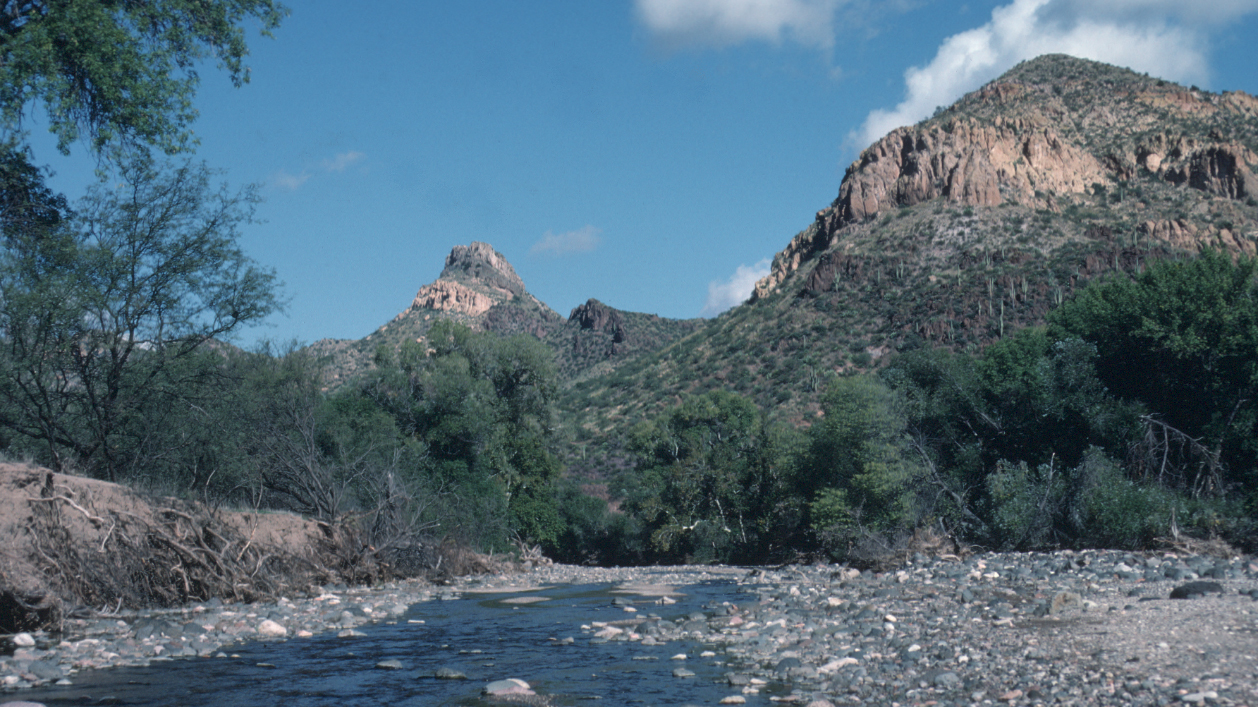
1081 628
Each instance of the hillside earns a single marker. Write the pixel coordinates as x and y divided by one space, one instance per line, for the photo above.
962 228
479 289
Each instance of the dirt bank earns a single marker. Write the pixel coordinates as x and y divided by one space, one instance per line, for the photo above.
74 545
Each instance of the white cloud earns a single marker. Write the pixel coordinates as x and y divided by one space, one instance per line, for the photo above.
1204 12
582 240
341 161
1165 38
725 22
736 290
290 182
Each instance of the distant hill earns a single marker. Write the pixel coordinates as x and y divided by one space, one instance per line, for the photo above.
480 289
958 230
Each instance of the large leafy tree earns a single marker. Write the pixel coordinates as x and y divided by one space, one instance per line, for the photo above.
863 474
483 408
102 312
120 72
712 481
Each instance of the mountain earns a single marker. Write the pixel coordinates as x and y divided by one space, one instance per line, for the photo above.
955 231
479 289
952 232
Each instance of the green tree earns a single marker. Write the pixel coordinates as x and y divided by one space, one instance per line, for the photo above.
99 313
712 481
120 73
1181 338
483 406
863 475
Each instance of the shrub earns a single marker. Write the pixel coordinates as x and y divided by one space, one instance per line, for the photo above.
1025 503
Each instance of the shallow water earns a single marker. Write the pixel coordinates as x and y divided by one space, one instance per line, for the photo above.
479 635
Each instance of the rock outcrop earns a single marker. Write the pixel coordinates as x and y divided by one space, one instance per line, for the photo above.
448 296
596 316
1051 128
963 161
479 263
475 278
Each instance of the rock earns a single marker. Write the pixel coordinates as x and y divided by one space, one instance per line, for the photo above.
1063 601
1192 590
23 640
391 664
834 665
452 297
609 632
45 670
683 673
510 686
733 700
271 629
448 674
1194 698
21 703
349 633
785 665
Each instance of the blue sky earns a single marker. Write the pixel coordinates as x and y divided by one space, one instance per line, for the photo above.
652 154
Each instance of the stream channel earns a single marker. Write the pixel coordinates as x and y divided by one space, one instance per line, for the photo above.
480 635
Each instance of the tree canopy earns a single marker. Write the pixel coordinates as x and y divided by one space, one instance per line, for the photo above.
120 72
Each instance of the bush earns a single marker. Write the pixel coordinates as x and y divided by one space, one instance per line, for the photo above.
1025 503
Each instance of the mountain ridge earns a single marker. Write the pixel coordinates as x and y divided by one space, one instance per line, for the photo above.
960 229
952 232
479 288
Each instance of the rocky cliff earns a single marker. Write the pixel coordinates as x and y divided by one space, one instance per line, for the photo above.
1048 130
475 279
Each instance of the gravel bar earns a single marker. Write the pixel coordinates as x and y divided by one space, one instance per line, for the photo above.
1071 628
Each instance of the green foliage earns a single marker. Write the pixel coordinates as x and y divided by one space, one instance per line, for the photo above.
1117 511
1182 339
102 314
862 473
1046 400
1026 502
482 406
122 74
711 482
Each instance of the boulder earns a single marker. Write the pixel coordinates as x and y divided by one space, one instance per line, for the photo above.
510 686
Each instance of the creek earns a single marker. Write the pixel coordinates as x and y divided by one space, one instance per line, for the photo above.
487 637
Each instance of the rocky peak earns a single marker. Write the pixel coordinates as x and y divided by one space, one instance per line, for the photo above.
480 264
475 278
596 316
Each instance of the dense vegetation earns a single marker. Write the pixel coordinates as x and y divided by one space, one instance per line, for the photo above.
1130 415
